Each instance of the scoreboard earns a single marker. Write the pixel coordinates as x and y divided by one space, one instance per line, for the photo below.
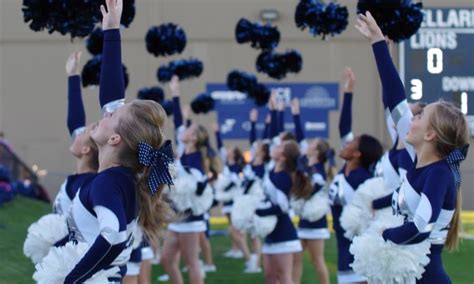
438 61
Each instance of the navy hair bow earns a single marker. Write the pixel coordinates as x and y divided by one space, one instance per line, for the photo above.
210 152
301 164
454 159
159 161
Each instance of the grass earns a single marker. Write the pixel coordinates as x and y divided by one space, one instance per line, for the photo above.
16 216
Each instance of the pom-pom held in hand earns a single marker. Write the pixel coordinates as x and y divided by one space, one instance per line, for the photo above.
260 36
398 20
76 18
95 42
184 69
166 39
277 65
91 72
321 19
203 103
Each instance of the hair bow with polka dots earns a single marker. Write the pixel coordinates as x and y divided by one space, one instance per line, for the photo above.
158 161
454 159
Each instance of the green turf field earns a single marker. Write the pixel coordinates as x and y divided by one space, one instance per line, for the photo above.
16 216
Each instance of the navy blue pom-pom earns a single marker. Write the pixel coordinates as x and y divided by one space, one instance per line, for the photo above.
166 39
168 107
398 19
260 36
184 69
241 81
203 103
151 93
95 42
278 65
76 18
260 94
321 19
91 72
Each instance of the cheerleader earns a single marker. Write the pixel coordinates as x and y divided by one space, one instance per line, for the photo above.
360 155
196 157
131 172
282 243
396 162
234 163
312 233
82 147
436 140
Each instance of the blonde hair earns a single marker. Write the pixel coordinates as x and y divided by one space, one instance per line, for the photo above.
301 184
211 164
451 128
144 124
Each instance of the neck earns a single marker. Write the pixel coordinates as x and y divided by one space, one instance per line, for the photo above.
279 167
351 165
190 148
425 156
257 161
400 144
82 166
313 160
107 159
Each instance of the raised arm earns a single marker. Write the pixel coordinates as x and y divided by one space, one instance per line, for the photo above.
220 144
76 116
266 130
281 116
273 115
393 91
345 121
112 86
175 92
253 126
295 111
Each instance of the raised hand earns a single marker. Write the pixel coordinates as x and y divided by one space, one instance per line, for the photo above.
349 80
215 127
111 17
273 100
174 86
368 27
253 115
295 106
72 63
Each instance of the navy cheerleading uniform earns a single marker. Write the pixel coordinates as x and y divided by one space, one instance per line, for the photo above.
283 239
427 196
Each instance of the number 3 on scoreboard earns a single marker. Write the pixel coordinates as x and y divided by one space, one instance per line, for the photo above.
434 60
416 89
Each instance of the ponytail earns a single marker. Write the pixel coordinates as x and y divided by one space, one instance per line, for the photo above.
455 226
301 185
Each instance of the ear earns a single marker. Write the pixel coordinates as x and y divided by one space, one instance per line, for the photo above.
430 135
114 140
85 150
357 154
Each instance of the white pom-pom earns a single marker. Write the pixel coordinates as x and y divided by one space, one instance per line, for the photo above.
263 226
184 187
393 263
296 204
137 237
356 216
60 261
256 189
223 193
43 234
243 211
316 207
202 203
